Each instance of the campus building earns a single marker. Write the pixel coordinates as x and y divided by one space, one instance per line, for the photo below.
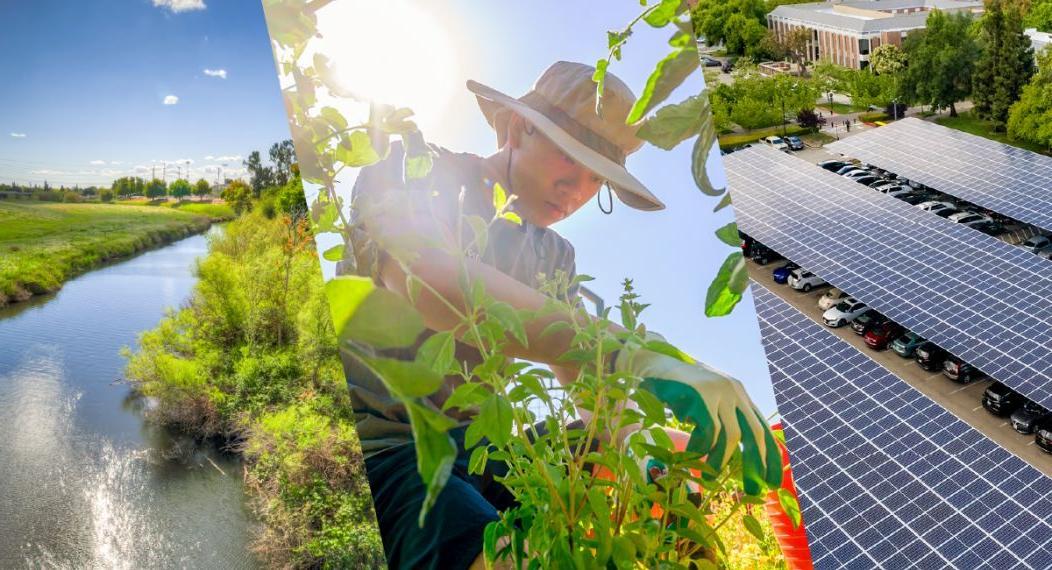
845 32
1040 40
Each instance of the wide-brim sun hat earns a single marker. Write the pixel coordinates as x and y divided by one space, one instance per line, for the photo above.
562 106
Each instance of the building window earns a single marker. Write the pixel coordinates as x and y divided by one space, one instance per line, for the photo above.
863 46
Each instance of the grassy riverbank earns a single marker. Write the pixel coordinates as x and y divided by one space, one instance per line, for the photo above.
251 359
44 244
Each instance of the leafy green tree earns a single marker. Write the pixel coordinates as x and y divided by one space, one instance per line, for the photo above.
744 35
202 188
1030 118
887 59
1006 64
156 188
941 61
105 196
1039 15
179 189
238 195
715 19
282 154
260 176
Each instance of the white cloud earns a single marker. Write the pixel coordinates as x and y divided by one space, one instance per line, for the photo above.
142 169
177 6
46 171
170 100
98 163
115 162
220 73
209 157
230 158
18 135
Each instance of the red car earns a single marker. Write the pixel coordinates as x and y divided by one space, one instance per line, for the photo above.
879 336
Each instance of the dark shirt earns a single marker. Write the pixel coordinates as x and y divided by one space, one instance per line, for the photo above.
527 253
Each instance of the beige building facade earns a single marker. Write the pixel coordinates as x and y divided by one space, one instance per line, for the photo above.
846 33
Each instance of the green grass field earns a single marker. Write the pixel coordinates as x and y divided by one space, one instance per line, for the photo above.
44 244
218 212
969 123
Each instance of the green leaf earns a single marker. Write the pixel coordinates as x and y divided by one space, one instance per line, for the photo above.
599 77
725 290
728 234
509 318
334 253
650 405
753 526
435 451
664 13
790 505
512 217
500 197
477 461
673 124
699 157
480 229
724 202
334 117
466 396
669 73
493 421
406 379
371 315
356 150
327 214
438 353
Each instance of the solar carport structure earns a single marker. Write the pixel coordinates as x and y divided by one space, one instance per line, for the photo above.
1005 179
887 478
983 300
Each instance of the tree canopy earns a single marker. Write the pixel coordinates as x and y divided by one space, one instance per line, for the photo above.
179 188
941 61
1006 63
156 188
1030 119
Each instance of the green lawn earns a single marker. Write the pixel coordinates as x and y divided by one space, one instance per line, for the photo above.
969 123
43 244
218 212
842 108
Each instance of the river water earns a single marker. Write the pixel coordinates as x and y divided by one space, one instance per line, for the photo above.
84 483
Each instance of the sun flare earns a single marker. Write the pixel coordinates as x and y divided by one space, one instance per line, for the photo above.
391 52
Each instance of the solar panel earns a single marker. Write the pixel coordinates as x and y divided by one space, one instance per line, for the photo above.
886 477
979 298
1002 178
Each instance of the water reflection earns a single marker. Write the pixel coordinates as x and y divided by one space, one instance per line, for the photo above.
85 483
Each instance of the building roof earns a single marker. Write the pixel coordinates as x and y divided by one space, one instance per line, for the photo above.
870 16
1040 40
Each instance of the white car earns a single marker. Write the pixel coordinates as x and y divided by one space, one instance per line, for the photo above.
845 312
858 173
830 298
970 218
803 280
937 207
776 142
895 190
1036 243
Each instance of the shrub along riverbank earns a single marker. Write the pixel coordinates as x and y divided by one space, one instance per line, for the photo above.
251 360
44 244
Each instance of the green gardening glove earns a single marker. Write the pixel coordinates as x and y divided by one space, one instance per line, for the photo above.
717 405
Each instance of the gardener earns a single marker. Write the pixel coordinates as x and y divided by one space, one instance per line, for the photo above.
554 153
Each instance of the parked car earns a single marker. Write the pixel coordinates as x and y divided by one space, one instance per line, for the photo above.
803 280
991 228
1000 400
885 183
794 142
830 298
866 180
1026 418
776 142
860 173
960 371
896 191
1043 435
747 244
969 218
834 165
866 320
918 197
710 61
781 274
906 345
936 205
1036 243
845 312
878 337
763 255
850 167
1045 253
930 356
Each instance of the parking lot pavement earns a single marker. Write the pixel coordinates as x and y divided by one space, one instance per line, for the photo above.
962 400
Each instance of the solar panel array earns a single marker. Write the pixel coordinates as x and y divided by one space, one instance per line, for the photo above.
886 477
984 301
1002 178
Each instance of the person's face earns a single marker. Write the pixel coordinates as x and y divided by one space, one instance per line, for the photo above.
549 184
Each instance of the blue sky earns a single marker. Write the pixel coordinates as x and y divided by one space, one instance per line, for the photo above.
671 255
86 82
